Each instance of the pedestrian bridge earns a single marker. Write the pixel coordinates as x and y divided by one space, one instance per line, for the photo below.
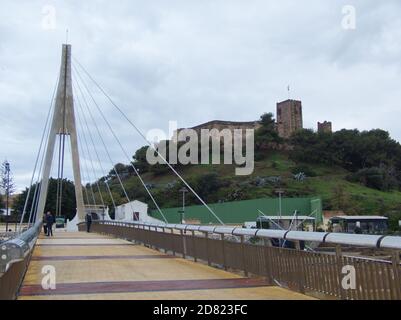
95 266
137 261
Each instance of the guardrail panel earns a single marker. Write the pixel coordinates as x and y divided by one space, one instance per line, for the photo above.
300 270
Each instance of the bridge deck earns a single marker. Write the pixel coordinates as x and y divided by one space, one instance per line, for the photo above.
92 266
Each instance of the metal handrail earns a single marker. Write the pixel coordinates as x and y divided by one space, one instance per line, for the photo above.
17 249
299 270
371 241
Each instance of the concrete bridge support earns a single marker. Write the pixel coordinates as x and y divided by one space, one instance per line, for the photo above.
63 124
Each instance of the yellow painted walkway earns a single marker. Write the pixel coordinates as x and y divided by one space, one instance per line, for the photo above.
93 266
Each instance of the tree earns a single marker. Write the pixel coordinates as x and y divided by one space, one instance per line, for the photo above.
266 137
68 203
351 149
383 178
139 159
340 199
207 184
6 180
6 183
122 170
267 133
141 163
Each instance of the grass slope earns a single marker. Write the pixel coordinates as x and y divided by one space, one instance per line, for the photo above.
329 183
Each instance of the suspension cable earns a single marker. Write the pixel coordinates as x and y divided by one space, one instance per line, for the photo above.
105 147
121 146
148 142
93 147
37 160
89 154
38 189
86 169
104 144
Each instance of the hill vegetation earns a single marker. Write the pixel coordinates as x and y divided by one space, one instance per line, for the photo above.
352 171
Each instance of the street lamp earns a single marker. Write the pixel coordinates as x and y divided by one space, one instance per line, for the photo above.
7 171
280 193
184 191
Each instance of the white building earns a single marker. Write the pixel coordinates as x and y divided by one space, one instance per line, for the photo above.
3 212
134 211
97 212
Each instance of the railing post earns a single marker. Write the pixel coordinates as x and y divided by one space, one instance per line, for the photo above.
164 231
156 247
396 271
339 270
207 248
134 233
224 252
172 241
194 246
301 270
184 246
149 238
244 264
269 260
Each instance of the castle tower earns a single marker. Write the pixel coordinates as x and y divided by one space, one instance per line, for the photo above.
325 127
289 117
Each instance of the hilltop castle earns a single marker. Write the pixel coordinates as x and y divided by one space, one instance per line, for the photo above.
288 116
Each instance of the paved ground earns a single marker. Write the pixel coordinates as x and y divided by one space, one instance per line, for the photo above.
92 266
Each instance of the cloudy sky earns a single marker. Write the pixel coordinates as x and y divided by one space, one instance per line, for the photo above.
198 60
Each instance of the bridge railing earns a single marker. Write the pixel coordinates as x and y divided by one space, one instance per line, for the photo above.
15 255
333 275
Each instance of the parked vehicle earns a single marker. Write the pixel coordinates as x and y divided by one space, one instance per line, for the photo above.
60 222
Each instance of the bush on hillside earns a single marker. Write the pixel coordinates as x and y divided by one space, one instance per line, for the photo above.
383 179
305 169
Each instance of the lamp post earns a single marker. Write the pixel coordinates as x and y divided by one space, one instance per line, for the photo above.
280 192
184 191
7 171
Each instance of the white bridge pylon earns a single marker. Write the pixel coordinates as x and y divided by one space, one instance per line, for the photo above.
63 124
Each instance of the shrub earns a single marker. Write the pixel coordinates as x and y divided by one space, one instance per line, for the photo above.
305 169
382 179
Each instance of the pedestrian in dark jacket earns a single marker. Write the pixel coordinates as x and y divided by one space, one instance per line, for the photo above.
88 220
45 224
49 222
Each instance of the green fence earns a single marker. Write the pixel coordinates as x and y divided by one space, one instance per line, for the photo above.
238 212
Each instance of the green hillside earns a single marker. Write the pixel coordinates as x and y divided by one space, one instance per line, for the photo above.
218 183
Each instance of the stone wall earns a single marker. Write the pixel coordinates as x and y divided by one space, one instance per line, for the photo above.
225 125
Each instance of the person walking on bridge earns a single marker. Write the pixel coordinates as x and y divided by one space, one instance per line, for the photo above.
49 223
88 220
45 224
